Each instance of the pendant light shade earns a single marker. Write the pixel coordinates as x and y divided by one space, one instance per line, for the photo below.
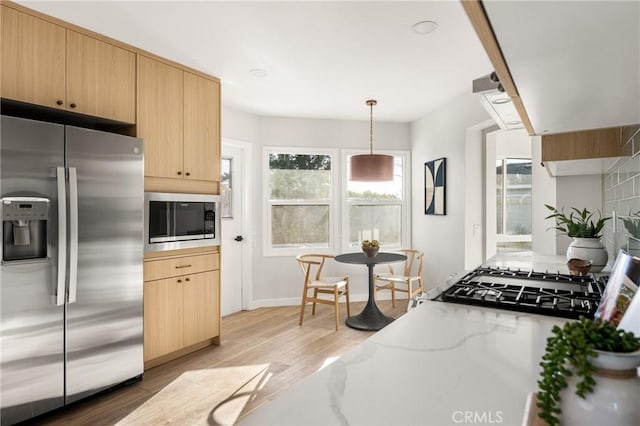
371 167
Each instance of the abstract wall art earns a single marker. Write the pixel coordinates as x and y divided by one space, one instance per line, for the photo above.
434 187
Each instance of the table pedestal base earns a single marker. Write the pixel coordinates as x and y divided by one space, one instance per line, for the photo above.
370 319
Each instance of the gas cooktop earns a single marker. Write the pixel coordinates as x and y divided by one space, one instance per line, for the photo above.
546 293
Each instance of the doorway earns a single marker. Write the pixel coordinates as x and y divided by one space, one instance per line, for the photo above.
508 192
236 235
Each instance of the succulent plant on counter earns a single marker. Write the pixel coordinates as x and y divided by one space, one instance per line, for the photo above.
568 352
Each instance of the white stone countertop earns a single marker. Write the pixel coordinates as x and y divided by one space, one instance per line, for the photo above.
440 364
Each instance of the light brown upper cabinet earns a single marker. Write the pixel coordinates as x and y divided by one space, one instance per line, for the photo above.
33 59
597 143
179 120
201 128
585 152
100 79
160 117
46 64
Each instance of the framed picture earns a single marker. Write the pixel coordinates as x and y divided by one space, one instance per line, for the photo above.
435 187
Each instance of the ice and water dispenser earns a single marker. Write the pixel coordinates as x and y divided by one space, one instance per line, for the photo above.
24 228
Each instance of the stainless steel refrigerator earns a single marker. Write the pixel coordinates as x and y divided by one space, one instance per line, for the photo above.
71 273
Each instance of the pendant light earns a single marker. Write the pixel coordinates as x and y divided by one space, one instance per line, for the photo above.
371 167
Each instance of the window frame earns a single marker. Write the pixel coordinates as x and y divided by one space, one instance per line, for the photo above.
405 203
268 249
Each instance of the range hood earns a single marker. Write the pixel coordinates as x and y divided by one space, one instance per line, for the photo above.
497 103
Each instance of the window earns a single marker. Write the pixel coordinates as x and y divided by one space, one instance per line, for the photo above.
513 204
377 210
226 185
299 188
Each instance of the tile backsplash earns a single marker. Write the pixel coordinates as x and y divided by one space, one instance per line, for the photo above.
621 196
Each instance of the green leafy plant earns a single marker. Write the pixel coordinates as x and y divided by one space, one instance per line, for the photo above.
371 243
632 223
570 348
578 224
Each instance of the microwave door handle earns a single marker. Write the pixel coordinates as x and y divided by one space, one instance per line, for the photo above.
62 236
73 234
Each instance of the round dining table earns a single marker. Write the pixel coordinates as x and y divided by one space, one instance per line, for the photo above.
370 319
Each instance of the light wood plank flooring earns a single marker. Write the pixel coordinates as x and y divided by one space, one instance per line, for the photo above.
262 353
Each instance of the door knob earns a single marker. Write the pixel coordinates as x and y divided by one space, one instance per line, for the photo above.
238 238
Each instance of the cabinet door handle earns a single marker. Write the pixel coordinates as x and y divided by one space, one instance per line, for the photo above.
72 105
187 279
179 173
183 266
179 281
59 102
188 174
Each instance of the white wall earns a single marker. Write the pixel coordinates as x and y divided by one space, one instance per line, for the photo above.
442 133
474 204
240 125
543 192
277 280
580 192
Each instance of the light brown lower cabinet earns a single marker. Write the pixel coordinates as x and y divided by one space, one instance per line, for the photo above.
202 318
181 306
163 308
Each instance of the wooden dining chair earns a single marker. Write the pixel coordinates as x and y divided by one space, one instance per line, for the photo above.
316 285
405 277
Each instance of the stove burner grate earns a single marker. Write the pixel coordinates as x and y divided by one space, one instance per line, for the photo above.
545 293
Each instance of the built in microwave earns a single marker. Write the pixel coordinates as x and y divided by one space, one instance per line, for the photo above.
178 221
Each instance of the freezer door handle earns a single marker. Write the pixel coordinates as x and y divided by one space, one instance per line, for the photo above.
62 235
73 234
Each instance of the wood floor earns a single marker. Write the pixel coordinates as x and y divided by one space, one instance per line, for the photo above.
262 353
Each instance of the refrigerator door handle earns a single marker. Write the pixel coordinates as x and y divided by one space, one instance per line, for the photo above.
62 235
73 234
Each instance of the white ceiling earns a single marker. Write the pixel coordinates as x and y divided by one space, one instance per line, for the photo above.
323 59
576 65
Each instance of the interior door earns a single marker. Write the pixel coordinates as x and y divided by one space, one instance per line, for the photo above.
104 323
233 239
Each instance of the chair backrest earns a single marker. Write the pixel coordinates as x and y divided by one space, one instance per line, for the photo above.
311 265
412 267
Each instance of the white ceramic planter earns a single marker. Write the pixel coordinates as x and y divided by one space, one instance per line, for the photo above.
614 401
589 249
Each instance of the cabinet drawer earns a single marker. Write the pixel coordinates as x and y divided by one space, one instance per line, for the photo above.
173 267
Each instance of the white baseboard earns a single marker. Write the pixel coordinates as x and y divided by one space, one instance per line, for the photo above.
292 301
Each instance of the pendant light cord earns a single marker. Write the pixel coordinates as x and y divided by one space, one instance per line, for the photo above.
371 104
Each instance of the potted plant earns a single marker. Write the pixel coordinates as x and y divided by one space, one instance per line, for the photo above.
370 247
586 233
632 224
576 384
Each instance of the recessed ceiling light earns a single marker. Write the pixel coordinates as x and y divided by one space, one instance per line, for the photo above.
425 27
501 101
258 72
